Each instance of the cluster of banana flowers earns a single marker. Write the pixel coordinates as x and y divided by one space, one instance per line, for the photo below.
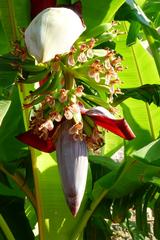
62 122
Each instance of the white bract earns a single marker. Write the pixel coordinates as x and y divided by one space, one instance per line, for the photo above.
51 32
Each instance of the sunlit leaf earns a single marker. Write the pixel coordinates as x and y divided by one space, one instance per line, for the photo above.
4 106
10 148
7 14
151 9
103 161
14 13
52 199
149 153
140 70
149 93
103 10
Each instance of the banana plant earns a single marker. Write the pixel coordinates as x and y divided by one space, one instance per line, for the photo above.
76 71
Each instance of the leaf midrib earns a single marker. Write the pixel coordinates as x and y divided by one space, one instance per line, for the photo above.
141 83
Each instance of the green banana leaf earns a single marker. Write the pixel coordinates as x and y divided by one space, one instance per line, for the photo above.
5 233
137 170
4 44
131 12
19 225
103 10
151 9
149 93
14 14
4 106
10 148
142 117
56 219
53 214
143 120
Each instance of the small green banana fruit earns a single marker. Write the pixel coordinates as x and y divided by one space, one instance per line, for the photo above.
72 158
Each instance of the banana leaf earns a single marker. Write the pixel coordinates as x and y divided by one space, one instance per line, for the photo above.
149 93
140 168
14 13
103 10
4 106
151 9
19 225
5 233
53 215
135 15
142 117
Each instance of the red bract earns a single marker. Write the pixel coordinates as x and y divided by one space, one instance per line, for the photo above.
119 127
44 80
99 115
105 119
34 141
38 5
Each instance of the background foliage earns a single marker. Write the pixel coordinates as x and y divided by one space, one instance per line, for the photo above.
113 188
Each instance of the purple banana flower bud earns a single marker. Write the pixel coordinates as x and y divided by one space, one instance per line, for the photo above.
53 31
73 166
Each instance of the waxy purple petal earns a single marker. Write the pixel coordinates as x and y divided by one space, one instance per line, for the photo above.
73 167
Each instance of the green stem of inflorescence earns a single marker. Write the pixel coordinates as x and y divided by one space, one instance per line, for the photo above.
23 92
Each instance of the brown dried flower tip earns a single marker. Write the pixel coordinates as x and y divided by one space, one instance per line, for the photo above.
82 57
83 47
55 116
71 60
92 43
68 113
56 63
95 69
116 60
71 110
79 91
63 95
115 81
77 131
19 51
95 141
110 53
74 108
47 125
118 68
50 100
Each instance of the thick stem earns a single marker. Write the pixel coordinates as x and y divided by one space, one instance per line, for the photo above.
23 92
69 79
83 221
